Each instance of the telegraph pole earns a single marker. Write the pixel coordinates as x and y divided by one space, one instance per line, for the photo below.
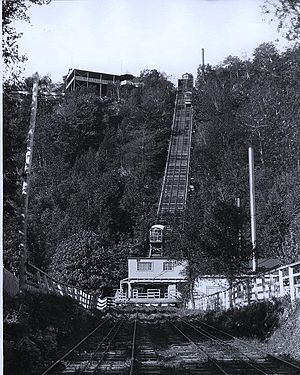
26 182
203 64
252 206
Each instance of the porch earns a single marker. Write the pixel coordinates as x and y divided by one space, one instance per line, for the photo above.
149 296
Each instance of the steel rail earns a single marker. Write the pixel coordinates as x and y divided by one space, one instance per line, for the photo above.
253 346
173 152
132 361
74 347
211 360
175 158
187 148
167 163
116 327
252 362
179 155
189 153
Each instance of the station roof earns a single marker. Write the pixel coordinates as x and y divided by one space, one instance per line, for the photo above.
159 226
93 74
266 264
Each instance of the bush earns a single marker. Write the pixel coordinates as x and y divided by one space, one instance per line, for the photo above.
23 354
37 325
257 320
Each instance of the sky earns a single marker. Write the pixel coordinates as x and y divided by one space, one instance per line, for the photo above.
128 36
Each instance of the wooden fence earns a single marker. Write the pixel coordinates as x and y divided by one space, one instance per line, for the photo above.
38 281
280 282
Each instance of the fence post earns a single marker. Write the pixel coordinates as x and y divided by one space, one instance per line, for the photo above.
228 304
292 287
281 289
64 290
242 293
46 283
245 291
263 283
271 287
230 296
223 300
255 288
53 286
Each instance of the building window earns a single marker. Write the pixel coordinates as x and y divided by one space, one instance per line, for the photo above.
144 266
168 266
156 235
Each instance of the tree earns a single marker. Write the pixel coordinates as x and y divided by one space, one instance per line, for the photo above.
215 239
251 103
97 165
92 262
15 126
287 13
11 11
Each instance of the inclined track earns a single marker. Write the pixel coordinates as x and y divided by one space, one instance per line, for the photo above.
138 347
174 190
242 359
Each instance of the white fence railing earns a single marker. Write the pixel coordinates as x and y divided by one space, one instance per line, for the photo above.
122 296
282 281
38 281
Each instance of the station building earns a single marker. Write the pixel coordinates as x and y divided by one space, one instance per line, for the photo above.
152 281
101 82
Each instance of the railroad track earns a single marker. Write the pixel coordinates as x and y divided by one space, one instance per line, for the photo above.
134 346
257 357
104 350
174 191
229 358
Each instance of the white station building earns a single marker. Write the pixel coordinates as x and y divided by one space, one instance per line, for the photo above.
152 281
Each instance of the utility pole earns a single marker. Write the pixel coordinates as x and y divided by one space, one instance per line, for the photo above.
252 206
203 64
26 182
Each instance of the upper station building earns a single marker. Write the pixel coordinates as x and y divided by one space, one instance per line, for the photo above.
101 82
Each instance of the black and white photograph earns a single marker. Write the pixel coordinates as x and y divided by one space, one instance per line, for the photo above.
150 187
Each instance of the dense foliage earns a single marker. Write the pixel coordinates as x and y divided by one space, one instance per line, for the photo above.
238 104
13 11
97 171
98 168
287 15
258 320
98 165
36 327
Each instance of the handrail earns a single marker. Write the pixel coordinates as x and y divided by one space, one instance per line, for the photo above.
271 284
44 283
53 279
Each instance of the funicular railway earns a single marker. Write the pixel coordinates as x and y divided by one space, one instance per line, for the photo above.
157 279
128 343
132 345
175 183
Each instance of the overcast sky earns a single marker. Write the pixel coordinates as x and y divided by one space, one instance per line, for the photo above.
120 36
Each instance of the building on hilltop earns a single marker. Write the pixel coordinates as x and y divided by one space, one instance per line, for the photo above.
101 82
